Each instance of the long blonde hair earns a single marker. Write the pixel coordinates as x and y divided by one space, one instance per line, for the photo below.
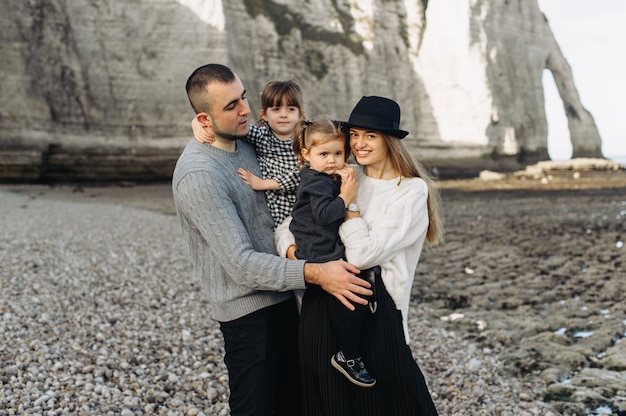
408 167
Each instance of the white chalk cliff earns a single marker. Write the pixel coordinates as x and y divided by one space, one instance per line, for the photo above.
94 89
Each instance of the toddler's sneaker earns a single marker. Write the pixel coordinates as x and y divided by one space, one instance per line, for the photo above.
353 369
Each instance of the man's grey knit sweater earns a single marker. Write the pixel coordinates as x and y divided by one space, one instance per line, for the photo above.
228 228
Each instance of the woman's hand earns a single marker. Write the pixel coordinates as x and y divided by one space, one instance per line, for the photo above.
291 252
349 184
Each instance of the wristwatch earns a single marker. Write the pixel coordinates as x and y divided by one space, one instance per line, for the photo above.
352 207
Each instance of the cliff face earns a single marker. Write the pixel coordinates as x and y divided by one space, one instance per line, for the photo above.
95 89
482 65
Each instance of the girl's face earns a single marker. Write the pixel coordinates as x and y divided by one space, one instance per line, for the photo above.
282 120
326 157
368 147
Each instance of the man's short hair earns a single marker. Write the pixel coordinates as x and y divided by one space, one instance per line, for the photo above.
199 80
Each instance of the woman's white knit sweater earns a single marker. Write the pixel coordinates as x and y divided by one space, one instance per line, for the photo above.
390 233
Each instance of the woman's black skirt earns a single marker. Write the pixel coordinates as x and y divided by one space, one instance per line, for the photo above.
400 388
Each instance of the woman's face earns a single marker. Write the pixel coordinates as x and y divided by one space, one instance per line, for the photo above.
368 147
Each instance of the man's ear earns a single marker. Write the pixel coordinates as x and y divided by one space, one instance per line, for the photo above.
204 120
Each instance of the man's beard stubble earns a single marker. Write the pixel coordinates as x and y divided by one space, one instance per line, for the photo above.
231 137
228 136
217 131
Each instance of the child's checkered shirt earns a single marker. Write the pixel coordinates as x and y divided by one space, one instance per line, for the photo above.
278 162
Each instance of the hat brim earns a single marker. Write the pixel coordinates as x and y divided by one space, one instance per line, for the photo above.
400 134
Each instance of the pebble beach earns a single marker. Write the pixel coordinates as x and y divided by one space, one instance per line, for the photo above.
99 314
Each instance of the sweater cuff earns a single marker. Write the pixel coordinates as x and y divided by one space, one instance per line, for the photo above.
294 275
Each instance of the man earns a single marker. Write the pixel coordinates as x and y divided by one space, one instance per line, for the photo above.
229 231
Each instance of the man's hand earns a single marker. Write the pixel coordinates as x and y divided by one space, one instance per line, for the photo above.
338 278
347 172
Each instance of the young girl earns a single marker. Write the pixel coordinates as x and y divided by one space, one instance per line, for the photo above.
282 107
320 208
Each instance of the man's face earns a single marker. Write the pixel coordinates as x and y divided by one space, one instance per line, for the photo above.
230 110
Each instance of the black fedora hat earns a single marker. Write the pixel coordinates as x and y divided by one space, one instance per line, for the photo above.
379 114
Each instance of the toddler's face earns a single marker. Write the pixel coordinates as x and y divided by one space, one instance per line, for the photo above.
326 157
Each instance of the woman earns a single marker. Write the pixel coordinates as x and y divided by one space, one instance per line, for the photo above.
394 212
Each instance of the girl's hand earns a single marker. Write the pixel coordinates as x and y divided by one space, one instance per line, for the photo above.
250 178
256 183
200 133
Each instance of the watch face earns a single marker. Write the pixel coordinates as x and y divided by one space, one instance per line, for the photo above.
353 207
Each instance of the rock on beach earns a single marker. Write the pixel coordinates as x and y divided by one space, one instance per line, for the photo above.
99 314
